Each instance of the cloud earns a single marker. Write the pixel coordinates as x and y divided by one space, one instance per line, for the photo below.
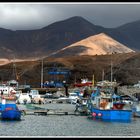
34 16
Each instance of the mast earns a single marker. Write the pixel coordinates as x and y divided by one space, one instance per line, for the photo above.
111 66
14 70
111 70
93 82
103 75
42 73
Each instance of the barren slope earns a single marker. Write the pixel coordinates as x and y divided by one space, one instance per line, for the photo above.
100 44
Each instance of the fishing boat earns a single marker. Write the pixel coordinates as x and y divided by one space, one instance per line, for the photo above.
83 83
6 89
10 112
9 109
105 104
108 106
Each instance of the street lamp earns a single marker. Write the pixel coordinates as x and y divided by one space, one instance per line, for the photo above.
66 87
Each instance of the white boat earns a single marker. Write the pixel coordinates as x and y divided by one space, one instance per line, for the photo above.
23 98
7 90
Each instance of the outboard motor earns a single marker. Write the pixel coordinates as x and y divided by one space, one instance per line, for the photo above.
25 101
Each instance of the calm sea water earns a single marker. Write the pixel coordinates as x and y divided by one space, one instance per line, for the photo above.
67 126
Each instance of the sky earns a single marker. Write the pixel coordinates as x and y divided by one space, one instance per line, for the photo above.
28 16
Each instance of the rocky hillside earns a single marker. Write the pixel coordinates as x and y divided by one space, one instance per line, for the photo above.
29 72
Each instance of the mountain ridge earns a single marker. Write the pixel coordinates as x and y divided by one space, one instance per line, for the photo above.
58 35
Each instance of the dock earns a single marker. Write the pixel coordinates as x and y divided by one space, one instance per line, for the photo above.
51 112
51 109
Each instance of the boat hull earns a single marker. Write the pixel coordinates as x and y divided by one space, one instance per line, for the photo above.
10 111
11 115
112 115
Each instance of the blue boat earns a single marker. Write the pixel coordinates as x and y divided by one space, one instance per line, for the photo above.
108 107
10 112
112 115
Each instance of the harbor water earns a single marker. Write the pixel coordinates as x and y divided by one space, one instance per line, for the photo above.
66 125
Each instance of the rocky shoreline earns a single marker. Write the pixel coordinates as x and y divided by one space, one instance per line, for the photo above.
126 90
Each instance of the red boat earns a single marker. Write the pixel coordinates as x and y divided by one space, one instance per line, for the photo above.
84 82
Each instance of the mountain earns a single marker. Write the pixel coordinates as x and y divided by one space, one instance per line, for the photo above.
59 35
36 43
128 34
99 44
78 39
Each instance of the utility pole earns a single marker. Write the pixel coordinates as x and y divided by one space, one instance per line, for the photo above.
42 73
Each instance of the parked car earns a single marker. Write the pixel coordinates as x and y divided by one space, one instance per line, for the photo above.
58 94
48 95
34 93
73 97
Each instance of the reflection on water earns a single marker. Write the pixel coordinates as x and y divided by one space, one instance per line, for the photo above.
110 121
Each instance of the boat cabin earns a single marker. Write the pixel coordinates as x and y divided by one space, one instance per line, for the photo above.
108 102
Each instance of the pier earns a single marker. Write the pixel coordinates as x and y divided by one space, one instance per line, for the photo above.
50 109
51 112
